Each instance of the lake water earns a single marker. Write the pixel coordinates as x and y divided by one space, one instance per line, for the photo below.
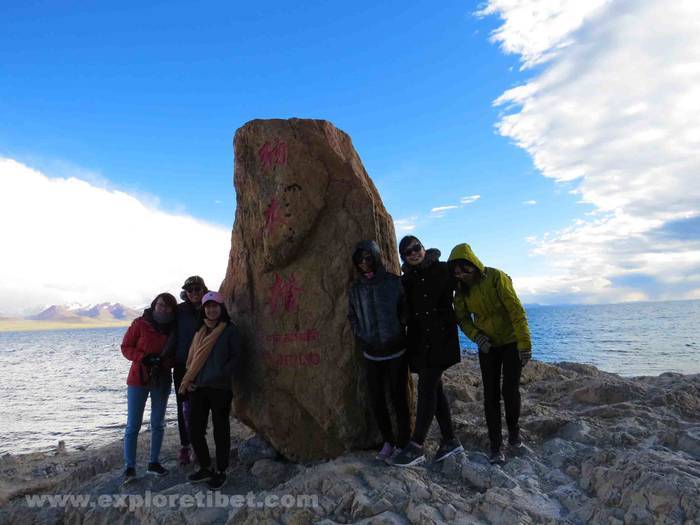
70 384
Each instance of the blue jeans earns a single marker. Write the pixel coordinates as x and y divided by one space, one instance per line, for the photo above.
136 402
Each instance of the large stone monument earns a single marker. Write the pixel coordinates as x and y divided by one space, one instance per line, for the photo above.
303 201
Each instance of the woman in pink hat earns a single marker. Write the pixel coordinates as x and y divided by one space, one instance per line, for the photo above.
211 361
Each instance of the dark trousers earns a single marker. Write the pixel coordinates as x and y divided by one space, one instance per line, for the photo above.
432 402
182 417
393 372
506 358
217 401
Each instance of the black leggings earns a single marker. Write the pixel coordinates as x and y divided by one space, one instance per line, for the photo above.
432 402
395 373
504 357
218 401
182 423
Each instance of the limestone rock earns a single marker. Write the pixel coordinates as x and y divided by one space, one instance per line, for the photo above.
270 473
583 473
254 449
303 201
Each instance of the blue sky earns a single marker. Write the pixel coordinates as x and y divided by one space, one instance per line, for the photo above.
145 100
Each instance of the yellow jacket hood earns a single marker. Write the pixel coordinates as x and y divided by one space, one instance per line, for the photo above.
464 251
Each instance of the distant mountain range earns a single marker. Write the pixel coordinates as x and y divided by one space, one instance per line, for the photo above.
65 317
104 312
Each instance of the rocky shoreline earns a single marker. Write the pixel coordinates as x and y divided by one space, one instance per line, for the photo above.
600 449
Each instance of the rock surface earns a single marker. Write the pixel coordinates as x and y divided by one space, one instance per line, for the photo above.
630 457
303 201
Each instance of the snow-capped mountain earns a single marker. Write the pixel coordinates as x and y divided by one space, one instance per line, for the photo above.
76 313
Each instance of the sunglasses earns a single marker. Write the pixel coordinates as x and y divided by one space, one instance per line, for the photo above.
194 289
416 248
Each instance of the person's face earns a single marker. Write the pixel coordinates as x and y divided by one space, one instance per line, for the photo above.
366 263
162 307
195 293
465 273
212 310
414 253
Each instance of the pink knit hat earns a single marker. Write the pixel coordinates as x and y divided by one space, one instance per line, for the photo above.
212 296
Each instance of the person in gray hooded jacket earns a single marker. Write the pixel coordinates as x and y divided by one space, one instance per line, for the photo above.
377 309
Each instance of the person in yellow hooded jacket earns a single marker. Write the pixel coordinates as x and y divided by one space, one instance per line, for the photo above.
490 314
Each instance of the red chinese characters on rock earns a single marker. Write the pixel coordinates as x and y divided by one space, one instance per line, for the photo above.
284 295
273 216
272 155
292 360
308 336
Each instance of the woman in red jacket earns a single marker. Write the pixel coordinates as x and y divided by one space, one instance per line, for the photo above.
149 374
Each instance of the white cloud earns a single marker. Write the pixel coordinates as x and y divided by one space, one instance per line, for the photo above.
469 199
538 29
531 202
66 240
440 209
405 225
615 112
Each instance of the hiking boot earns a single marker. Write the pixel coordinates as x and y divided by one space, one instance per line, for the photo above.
411 455
217 480
497 457
129 475
516 444
185 456
203 474
385 453
156 469
448 448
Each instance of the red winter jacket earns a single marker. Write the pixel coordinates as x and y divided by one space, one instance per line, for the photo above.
140 340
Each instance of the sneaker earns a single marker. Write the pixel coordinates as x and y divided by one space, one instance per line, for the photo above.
185 456
203 474
411 455
217 480
129 475
516 444
448 448
157 469
385 453
497 458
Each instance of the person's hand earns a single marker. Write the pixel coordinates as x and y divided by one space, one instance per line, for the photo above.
191 387
525 356
151 360
484 343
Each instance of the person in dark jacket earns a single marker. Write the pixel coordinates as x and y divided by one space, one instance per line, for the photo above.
377 310
490 314
188 322
149 375
211 361
433 345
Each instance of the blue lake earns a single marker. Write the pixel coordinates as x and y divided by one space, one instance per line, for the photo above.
70 384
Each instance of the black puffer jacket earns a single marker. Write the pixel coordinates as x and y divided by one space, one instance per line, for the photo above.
224 358
432 325
188 322
376 308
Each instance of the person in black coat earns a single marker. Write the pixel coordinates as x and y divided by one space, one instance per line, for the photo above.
212 360
433 345
377 311
188 322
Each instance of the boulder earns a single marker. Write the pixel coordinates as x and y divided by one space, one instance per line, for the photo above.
303 200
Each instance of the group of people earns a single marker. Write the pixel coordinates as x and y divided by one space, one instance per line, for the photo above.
401 324
197 340
410 323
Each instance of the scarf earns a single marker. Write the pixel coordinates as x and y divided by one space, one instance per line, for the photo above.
200 349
